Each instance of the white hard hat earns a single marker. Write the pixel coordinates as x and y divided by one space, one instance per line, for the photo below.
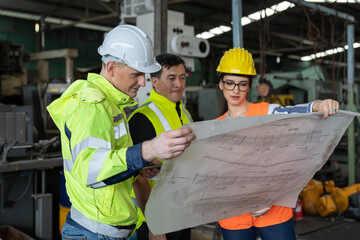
130 45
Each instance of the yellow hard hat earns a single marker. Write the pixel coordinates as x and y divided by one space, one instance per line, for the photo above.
237 61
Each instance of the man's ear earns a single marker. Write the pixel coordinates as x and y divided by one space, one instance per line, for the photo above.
110 68
154 81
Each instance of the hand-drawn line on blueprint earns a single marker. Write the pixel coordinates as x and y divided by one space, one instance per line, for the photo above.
215 180
256 164
214 196
175 175
289 122
259 142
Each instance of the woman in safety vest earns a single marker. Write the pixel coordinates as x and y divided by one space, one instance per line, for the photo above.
235 71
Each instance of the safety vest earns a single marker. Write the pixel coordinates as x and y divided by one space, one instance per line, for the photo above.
162 114
95 137
276 214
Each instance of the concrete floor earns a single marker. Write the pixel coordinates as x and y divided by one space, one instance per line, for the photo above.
308 228
316 228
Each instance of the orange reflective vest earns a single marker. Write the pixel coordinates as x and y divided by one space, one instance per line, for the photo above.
276 214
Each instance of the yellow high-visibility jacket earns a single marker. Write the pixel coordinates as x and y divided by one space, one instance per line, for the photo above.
99 159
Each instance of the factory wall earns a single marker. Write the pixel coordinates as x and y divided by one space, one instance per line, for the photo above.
18 31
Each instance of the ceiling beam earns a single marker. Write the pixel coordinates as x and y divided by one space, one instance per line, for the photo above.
293 38
87 20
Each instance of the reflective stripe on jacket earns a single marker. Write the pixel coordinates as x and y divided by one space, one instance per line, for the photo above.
276 214
99 160
162 113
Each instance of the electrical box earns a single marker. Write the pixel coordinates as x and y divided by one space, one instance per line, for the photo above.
132 8
180 37
180 41
189 46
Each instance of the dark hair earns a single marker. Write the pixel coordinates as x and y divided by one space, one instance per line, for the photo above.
221 76
167 60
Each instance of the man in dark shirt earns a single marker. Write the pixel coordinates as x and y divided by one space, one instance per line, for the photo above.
163 111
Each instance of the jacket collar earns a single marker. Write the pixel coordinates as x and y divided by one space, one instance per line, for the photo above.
109 90
154 96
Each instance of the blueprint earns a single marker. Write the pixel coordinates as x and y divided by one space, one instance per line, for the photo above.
240 165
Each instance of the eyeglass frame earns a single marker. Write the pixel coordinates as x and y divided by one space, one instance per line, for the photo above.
236 84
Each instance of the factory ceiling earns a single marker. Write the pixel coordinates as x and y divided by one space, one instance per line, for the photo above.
296 32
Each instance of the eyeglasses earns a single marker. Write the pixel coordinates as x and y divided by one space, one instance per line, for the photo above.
230 85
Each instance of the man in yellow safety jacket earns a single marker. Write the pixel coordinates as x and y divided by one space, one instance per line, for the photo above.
100 162
163 111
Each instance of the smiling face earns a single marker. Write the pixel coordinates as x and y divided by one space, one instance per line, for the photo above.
125 78
240 85
171 83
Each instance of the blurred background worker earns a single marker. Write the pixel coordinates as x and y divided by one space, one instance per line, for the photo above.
163 111
100 161
235 71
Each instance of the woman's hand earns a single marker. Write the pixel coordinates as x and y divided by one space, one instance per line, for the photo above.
327 107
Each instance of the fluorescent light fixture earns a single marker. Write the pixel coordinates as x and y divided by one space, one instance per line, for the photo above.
53 20
269 12
225 28
328 52
306 58
320 54
245 21
216 31
205 35
280 7
220 30
256 16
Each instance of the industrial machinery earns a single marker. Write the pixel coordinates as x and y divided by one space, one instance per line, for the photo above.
51 91
16 131
305 86
26 120
11 57
29 140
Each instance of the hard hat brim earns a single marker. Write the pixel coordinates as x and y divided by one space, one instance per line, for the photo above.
155 67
